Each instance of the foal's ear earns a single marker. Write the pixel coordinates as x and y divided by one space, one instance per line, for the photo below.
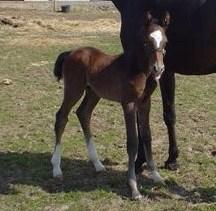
165 19
147 17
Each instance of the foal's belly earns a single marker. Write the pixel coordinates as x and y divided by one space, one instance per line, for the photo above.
107 89
118 89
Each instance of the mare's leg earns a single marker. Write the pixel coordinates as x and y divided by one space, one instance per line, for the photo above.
145 134
84 113
167 84
71 95
132 147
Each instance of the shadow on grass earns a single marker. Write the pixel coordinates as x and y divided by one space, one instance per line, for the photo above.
194 196
35 169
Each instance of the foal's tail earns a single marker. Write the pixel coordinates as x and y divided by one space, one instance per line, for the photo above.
58 64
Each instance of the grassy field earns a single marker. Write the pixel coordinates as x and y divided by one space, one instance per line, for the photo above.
29 45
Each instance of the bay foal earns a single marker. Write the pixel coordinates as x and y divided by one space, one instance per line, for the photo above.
120 78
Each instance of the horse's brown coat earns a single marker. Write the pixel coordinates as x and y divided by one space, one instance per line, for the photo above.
120 78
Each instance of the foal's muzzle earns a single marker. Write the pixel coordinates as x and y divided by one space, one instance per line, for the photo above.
158 71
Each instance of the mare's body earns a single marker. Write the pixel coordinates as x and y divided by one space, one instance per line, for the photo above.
191 51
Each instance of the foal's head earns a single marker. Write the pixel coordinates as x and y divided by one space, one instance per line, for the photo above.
152 40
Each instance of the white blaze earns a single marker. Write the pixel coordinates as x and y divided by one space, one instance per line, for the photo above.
157 36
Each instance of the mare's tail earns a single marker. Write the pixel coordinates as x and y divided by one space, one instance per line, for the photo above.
58 64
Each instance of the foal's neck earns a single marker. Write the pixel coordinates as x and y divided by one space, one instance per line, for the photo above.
137 61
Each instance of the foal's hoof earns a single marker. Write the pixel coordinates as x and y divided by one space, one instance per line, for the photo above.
173 166
136 195
99 167
155 176
99 170
57 173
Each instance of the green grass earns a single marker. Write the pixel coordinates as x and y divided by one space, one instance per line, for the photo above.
27 110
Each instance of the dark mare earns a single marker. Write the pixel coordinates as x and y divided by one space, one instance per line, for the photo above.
120 78
191 51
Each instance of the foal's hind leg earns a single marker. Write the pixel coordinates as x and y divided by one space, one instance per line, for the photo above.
145 133
61 120
84 113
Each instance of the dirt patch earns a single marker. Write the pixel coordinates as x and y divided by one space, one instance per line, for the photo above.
29 31
10 21
39 24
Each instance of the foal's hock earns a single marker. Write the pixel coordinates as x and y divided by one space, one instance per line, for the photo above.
120 78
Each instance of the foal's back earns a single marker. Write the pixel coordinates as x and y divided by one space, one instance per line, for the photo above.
92 59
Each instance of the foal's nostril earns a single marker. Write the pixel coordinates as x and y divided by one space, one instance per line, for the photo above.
159 69
155 68
162 69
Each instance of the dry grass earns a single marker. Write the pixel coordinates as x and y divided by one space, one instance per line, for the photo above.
31 28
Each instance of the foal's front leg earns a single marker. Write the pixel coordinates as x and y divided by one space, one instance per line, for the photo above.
132 147
145 134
